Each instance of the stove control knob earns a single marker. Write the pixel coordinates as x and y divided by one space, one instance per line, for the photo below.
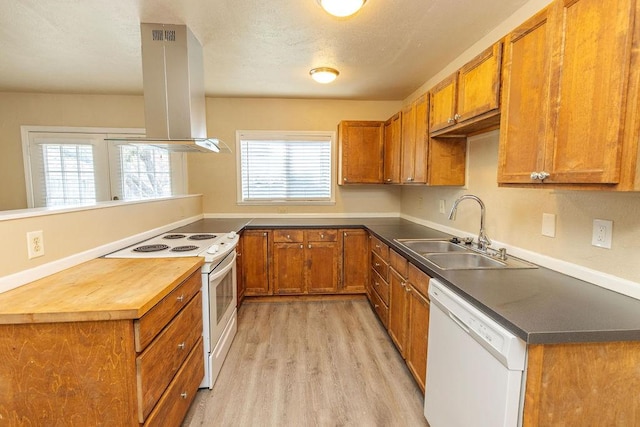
231 235
213 249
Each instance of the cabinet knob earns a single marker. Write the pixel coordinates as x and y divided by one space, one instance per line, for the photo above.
403 284
183 395
322 236
450 120
180 298
264 234
376 306
377 264
345 234
407 289
181 346
540 175
377 246
409 178
345 179
309 246
457 117
301 246
544 175
388 179
376 283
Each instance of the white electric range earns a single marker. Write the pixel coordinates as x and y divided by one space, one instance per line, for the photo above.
219 290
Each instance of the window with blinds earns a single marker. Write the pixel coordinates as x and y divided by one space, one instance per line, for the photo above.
77 168
285 167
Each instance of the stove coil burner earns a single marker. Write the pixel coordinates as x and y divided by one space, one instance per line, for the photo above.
174 236
202 237
185 248
151 248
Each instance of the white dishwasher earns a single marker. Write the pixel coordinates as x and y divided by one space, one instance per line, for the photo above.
474 366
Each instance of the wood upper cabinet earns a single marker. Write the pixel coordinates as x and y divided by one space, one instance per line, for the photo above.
392 149
360 152
414 142
469 100
579 124
255 262
355 260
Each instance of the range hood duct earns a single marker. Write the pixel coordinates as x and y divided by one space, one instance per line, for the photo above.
173 82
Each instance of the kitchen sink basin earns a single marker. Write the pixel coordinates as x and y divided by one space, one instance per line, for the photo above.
423 246
463 261
450 256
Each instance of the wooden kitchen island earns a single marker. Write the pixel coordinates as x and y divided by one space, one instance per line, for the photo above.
108 342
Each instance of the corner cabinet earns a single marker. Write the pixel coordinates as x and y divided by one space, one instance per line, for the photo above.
360 152
570 100
469 100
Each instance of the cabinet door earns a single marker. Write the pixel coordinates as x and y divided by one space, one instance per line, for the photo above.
479 85
288 268
408 143
420 171
525 94
323 267
355 261
392 149
417 337
590 64
398 313
442 101
361 152
255 262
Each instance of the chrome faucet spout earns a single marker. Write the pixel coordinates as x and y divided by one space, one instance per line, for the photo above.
483 239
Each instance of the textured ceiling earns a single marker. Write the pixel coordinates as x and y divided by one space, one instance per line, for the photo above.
251 48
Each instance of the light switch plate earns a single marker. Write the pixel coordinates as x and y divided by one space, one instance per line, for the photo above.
548 225
602 233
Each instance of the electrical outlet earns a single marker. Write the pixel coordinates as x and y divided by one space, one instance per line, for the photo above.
548 225
35 244
602 233
441 206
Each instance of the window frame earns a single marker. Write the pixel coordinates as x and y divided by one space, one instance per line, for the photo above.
178 166
284 135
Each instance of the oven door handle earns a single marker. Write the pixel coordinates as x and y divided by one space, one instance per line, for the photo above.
230 263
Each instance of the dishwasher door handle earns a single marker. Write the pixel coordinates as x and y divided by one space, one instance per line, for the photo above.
459 322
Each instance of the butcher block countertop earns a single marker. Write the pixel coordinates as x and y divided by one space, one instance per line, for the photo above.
100 289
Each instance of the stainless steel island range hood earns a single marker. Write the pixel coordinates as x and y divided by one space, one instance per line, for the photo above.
173 82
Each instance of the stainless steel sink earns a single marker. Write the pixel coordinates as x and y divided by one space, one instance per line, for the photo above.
445 255
422 246
463 261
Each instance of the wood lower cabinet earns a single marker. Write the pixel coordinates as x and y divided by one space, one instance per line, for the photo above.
355 260
111 372
360 152
418 325
398 302
256 261
306 261
570 97
239 273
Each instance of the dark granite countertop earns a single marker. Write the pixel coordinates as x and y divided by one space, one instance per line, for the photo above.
540 306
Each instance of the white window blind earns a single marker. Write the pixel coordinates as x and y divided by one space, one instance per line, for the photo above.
143 172
77 168
285 167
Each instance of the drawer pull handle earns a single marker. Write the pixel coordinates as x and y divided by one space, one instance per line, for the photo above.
181 346
377 264
180 298
377 246
183 395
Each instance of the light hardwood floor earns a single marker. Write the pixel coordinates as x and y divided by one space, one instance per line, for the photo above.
316 363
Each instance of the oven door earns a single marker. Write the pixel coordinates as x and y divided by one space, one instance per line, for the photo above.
222 297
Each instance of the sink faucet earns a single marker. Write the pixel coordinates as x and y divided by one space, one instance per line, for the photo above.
483 240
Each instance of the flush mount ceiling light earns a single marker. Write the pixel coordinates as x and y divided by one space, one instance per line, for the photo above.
341 8
324 74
